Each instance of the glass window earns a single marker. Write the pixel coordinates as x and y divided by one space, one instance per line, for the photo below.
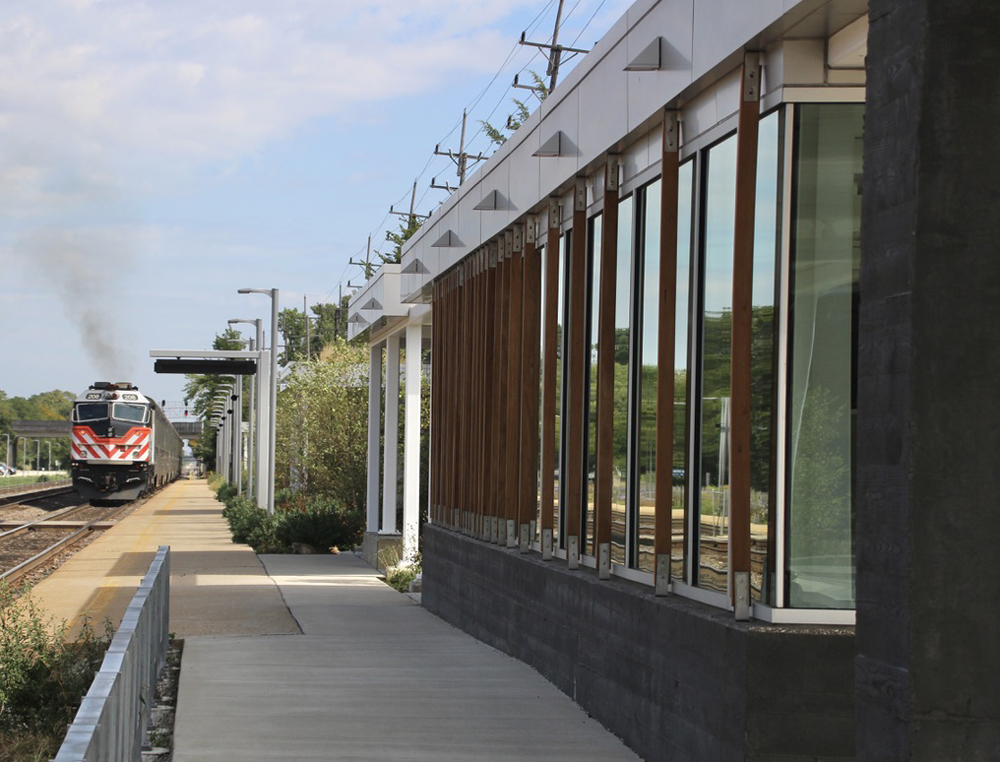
714 496
543 468
623 329
682 390
649 317
132 413
91 411
823 348
762 348
595 228
717 294
559 536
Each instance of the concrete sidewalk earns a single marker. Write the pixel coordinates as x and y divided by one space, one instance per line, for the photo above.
372 676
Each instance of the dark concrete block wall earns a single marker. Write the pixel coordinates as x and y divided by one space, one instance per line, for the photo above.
928 527
675 679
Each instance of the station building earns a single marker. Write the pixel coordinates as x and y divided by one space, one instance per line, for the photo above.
693 336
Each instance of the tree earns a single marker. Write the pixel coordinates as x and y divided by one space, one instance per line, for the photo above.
407 227
322 427
520 115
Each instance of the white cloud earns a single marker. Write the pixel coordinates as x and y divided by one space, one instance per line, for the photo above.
99 88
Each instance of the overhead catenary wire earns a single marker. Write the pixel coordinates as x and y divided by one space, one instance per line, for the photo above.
479 133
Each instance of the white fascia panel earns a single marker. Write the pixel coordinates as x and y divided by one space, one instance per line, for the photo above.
640 155
605 93
649 91
722 29
554 171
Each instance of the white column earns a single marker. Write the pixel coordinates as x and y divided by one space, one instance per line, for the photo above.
391 435
411 443
374 433
263 416
238 434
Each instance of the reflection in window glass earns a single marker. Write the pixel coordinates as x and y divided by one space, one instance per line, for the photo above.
91 411
678 551
543 468
762 348
717 296
595 228
558 536
122 411
720 210
623 326
822 406
645 558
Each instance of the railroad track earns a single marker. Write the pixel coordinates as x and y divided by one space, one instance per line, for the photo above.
27 545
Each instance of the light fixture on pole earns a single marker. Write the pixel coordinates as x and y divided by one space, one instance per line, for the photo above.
273 392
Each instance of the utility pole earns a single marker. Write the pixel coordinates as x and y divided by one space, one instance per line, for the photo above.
461 158
554 50
305 316
366 266
411 216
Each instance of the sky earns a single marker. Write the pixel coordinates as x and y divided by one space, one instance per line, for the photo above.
157 156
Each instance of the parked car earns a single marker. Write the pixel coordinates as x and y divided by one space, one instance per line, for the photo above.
6 470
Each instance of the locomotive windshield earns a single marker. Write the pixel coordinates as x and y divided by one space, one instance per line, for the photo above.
91 411
132 413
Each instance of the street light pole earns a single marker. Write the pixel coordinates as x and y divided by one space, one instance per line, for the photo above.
272 413
7 461
255 402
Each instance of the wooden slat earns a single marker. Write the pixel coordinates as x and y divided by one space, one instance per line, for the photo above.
500 389
513 419
576 370
746 187
432 470
530 358
467 474
606 371
547 455
476 393
669 196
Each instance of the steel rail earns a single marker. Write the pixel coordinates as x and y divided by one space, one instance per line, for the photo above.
28 497
17 572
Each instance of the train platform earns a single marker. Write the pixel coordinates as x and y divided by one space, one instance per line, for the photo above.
312 657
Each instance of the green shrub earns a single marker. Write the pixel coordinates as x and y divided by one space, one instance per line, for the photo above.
43 678
225 492
320 522
251 525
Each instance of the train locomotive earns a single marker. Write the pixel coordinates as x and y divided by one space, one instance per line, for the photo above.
122 444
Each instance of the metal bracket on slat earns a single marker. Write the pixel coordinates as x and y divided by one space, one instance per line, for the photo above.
671 132
546 544
518 238
573 552
604 560
611 180
580 195
741 606
554 213
524 538
751 76
663 574
531 229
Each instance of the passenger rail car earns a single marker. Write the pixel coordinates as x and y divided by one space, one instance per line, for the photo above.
122 444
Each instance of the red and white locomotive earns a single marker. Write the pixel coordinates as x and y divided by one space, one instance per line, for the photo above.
122 444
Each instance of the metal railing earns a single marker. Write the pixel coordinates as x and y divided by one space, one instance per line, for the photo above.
111 722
